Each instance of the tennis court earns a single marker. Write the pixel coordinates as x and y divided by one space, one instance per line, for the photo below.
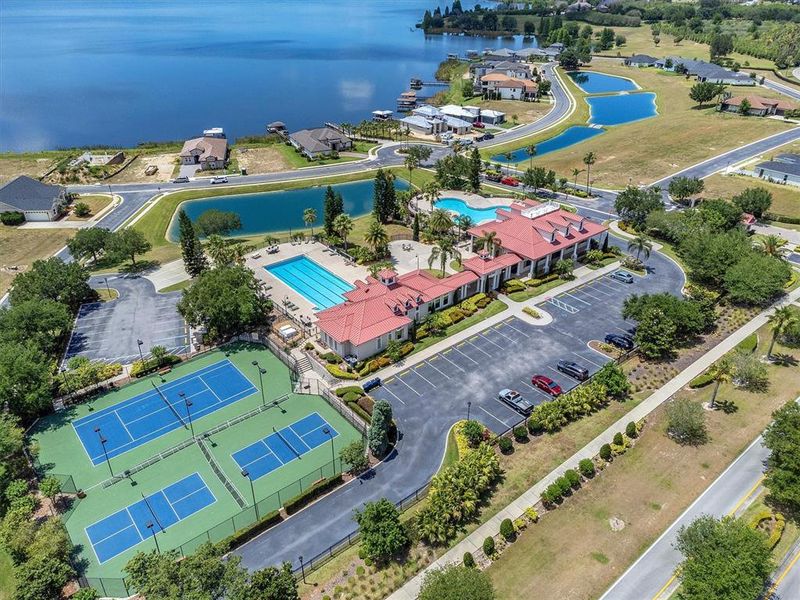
128 527
284 445
158 411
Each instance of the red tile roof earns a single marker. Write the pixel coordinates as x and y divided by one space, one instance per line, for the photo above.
483 265
374 309
533 230
759 102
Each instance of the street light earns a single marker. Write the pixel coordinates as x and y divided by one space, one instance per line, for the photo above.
108 289
327 432
188 403
63 371
246 473
261 373
469 405
140 343
149 525
105 453
302 568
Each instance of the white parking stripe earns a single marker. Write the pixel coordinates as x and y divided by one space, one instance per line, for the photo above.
486 337
587 360
397 378
385 388
418 374
576 298
495 418
430 364
455 348
508 324
471 343
442 355
600 298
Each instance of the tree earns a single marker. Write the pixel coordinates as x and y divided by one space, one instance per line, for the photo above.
85 594
463 224
634 204
782 438
43 323
721 44
25 384
415 155
744 107
309 218
128 243
81 209
709 256
217 222
377 238
475 170
444 249
89 243
53 279
531 150
490 241
563 268
333 207
569 59
384 197
440 222
226 301
779 321
641 246
690 317
50 487
755 200
723 558
720 372
378 433
194 260
613 378
355 456
756 279
382 534
704 92
655 334
682 188
575 173
272 583
589 159
343 226
415 228
686 422
158 353
456 582
41 577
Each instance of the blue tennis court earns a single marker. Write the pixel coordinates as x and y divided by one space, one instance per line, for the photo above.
125 529
147 416
284 446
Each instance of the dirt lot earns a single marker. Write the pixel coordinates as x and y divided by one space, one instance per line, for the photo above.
20 247
266 159
12 165
134 173
527 112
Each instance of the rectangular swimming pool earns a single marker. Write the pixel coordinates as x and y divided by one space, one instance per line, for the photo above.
315 283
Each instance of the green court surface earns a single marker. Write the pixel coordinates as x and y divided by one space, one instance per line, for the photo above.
61 452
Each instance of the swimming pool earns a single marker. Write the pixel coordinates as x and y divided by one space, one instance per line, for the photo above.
312 281
601 83
478 215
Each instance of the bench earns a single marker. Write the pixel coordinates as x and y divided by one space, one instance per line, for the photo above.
165 370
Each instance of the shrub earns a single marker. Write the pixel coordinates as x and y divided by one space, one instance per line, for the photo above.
384 361
605 452
686 422
82 209
631 431
469 561
618 439
351 397
366 403
564 485
331 358
355 456
748 344
513 285
535 424
315 491
339 373
520 433
701 380
149 365
532 515
473 431
531 311
586 467
488 546
573 478
505 444
553 494
348 389
507 529
12 218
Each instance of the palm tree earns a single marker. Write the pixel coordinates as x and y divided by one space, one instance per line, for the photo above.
490 241
463 222
411 162
531 150
589 160
641 245
721 371
575 173
508 156
771 245
309 218
782 318
379 266
444 249
217 249
431 192
270 240
343 226
562 186
376 238
440 222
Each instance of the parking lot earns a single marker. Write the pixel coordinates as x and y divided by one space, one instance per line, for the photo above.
509 353
108 331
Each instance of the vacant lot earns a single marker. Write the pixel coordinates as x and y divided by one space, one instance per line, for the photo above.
265 159
526 112
31 164
20 247
135 172
785 198
647 488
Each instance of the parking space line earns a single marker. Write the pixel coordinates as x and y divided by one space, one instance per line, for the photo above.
385 388
478 348
567 308
452 363
535 389
398 378
465 355
576 298
588 360
600 298
416 372
437 370
486 337
508 324
499 420
554 370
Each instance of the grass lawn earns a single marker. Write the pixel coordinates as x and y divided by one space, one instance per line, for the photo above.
530 292
526 112
791 533
20 247
647 488
7 585
176 287
785 198
96 202
32 164
297 160
680 135
107 294
494 308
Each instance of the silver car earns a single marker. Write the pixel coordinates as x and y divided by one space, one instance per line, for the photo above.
516 401
622 276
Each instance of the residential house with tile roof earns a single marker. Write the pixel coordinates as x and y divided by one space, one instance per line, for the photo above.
501 86
321 141
208 152
758 106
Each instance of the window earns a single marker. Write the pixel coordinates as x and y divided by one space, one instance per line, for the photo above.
398 334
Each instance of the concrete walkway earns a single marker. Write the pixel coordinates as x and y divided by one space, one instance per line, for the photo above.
168 274
529 498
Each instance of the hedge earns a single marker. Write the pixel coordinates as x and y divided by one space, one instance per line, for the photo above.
248 533
539 281
513 285
777 530
360 412
12 218
349 388
505 444
149 365
331 358
701 380
315 491
782 218
339 373
748 344
366 403
351 397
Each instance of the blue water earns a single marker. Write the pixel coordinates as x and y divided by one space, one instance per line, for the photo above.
315 283
283 211
118 72
478 215
569 137
623 108
600 83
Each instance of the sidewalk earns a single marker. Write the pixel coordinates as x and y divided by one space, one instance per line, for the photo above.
529 498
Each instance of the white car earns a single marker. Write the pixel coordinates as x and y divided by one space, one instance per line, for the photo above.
516 401
221 179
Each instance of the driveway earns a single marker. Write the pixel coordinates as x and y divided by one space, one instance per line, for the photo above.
109 331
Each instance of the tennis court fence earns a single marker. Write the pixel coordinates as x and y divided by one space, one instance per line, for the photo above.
316 387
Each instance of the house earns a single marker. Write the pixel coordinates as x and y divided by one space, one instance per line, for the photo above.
321 141
470 114
498 85
36 200
425 126
209 152
513 69
430 120
541 234
784 168
500 54
552 52
577 7
704 71
641 60
759 107
492 117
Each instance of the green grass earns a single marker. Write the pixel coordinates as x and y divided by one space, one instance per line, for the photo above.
62 452
450 451
7 584
176 287
496 307
531 292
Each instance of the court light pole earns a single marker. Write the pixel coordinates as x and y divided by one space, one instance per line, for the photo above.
103 441
302 568
188 404
469 405
140 343
149 525
327 432
246 473
261 373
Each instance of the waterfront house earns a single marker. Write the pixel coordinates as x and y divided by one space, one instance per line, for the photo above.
470 114
784 168
704 71
503 87
641 60
500 54
36 200
208 152
322 141
759 106
423 125
429 120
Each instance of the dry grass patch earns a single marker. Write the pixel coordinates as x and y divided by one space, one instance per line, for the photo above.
33 165
527 112
20 247
785 199
96 203
135 172
265 159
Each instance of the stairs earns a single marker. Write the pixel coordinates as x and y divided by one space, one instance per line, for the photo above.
303 365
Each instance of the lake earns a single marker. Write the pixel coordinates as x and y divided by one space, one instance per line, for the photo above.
80 72
621 108
601 83
283 210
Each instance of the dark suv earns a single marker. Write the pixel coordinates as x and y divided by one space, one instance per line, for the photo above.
573 369
620 341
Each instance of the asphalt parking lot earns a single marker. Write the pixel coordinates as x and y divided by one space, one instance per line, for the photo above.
108 331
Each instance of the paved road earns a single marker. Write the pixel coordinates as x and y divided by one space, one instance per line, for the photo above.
430 396
788 577
782 88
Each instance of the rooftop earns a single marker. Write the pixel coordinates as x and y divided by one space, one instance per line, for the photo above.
25 193
759 102
209 147
789 168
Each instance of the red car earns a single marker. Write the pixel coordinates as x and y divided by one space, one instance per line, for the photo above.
510 181
546 384
478 124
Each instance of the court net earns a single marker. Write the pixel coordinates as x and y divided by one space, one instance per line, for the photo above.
285 441
167 402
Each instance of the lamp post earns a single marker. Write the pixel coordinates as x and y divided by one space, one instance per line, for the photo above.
327 432
187 403
469 405
149 526
302 568
140 343
63 371
103 441
261 373
108 289
246 473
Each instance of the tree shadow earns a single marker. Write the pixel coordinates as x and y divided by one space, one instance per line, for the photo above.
727 406
143 266
784 360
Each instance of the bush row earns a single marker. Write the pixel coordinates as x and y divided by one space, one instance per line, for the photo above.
552 416
537 281
150 365
315 491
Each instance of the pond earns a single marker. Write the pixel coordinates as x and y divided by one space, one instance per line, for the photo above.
478 215
282 210
621 108
601 83
569 137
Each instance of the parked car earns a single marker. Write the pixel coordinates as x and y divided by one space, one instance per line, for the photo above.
516 401
620 341
544 383
488 136
513 182
371 384
622 276
219 179
478 124
181 179
573 369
